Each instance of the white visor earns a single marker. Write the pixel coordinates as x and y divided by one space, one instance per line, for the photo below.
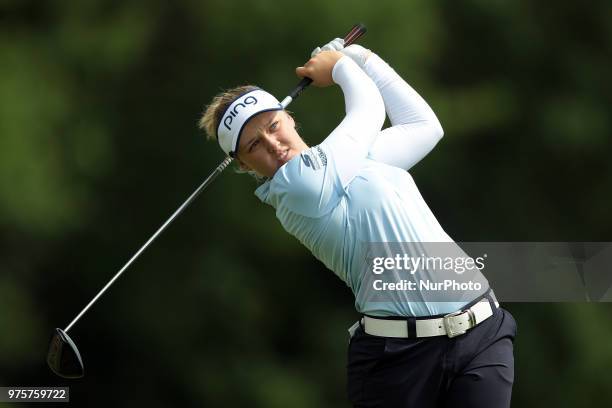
239 112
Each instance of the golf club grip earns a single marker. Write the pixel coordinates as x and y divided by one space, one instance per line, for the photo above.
356 32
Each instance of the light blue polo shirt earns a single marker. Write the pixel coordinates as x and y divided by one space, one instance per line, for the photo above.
336 203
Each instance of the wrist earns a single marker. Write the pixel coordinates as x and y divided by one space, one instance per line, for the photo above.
337 67
358 54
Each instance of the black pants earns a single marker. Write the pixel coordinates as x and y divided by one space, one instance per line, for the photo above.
473 370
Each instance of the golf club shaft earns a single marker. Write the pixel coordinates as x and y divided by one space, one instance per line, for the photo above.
357 31
193 196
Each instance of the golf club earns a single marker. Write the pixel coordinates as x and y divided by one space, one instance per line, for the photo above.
63 356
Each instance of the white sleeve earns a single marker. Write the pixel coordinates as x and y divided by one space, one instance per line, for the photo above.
351 141
415 128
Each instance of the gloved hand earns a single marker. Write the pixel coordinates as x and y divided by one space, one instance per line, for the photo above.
337 44
356 52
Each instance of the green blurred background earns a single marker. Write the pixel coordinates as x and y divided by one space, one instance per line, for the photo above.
98 146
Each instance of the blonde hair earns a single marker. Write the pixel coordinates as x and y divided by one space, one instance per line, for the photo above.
209 122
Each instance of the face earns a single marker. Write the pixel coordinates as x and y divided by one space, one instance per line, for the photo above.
268 141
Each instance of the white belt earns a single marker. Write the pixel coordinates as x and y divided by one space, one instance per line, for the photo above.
451 325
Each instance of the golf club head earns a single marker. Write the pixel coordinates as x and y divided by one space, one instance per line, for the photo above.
63 357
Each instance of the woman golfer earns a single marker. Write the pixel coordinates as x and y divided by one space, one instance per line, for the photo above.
349 199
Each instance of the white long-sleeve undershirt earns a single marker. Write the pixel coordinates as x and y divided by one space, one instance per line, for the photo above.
415 128
355 136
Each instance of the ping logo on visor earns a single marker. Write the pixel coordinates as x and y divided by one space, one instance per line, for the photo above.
237 115
229 118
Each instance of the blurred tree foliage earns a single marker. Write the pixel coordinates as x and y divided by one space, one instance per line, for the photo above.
98 145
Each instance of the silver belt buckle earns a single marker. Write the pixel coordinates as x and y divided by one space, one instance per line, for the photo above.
452 330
